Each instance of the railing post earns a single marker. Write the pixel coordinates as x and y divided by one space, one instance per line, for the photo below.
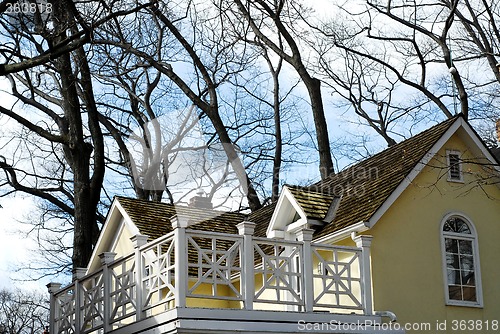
78 273
53 288
106 259
305 236
364 242
246 229
139 240
181 260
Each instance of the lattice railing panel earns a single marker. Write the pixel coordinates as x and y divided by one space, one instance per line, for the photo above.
279 270
337 277
214 260
65 306
158 276
123 289
92 302
239 270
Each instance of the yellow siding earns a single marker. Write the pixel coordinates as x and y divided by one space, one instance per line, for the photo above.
123 246
406 250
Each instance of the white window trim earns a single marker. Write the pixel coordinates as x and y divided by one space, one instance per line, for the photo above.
460 167
477 266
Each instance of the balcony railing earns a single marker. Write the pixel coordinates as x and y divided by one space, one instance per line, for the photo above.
191 268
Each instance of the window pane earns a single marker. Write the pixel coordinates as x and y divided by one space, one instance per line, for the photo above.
451 245
466 262
465 246
452 261
468 278
447 227
469 294
455 292
457 225
454 277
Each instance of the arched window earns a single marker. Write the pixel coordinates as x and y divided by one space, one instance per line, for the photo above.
461 263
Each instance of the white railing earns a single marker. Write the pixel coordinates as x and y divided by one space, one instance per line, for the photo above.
191 268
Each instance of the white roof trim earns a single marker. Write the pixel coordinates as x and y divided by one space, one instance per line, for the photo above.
479 144
344 233
459 123
279 224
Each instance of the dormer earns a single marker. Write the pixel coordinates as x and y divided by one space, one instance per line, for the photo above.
298 208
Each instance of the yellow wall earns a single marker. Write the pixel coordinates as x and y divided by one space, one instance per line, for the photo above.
123 245
406 249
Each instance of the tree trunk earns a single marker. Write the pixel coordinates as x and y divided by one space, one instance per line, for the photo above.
325 157
77 152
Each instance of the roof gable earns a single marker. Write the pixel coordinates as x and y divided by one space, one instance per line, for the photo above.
370 187
298 207
366 186
154 220
116 220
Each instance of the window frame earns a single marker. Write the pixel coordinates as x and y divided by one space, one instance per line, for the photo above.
475 248
460 167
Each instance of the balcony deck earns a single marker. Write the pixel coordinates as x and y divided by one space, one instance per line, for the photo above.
191 281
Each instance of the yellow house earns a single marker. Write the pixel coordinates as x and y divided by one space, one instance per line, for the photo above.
405 241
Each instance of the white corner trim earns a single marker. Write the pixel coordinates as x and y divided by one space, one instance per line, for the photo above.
344 233
416 170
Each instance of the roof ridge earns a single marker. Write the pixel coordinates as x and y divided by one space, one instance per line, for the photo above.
308 189
182 206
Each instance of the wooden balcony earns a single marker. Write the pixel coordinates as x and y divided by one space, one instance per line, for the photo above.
193 281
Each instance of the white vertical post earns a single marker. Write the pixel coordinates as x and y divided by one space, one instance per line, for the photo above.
305 236
53 288
139 240
364 242
181 260
78 273
106 259
246 229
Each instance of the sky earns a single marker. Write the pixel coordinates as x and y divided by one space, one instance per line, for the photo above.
15 249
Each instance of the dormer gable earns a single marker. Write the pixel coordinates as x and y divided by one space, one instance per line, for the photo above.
298 208
115 235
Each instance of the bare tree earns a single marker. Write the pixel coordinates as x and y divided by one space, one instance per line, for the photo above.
16 57
433 48
65 135
268 19
23 312
203 93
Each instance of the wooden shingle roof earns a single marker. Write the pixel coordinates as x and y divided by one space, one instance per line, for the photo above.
261 218
153 219
362 189
365 186
315 204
